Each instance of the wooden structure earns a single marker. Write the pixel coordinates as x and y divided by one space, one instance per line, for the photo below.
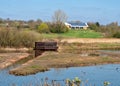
41 47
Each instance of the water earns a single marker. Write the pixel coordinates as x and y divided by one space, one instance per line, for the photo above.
90 76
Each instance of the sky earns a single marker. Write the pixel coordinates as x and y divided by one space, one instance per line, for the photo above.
102 11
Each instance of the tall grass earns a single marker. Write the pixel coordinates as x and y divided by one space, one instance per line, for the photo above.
18 38
62 82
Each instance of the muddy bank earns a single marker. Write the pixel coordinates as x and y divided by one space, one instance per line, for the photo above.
7 50
7 59
60 59
77 52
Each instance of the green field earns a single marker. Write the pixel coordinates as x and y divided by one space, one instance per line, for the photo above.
75 34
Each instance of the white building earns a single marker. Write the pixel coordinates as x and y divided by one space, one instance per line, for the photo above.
76 25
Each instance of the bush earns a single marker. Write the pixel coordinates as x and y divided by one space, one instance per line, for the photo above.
15 38
43 28
95 27
26 38
58 28
116 35
109 30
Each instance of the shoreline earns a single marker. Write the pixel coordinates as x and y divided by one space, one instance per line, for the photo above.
10 60
62 60
71 54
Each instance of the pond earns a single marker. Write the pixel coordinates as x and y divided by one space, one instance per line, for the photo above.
90 76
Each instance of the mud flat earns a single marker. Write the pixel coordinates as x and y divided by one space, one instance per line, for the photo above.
72 53
7 59
63 60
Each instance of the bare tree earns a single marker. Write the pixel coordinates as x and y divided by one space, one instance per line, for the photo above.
58 25
59 16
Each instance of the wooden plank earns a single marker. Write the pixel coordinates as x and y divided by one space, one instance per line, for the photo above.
45 45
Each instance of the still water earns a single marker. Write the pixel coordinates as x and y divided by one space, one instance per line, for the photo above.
90 76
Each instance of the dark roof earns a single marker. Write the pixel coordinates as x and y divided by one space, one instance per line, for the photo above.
77 23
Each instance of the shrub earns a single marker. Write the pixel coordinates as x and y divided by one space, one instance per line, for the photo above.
17 38
116 35
43 28
58 28
6 37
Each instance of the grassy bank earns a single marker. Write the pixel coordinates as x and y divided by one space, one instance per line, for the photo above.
70 55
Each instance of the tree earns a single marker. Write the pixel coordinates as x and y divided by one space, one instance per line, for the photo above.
31 24
97 24
38 21
59 16
43 28
59 19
